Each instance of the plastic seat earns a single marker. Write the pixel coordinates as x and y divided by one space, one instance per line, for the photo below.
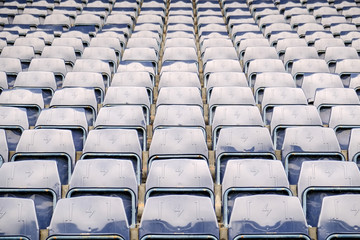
137 67
354 83
27 182
90 22
37 80
291 116
225 79
9 36
24 53
94 65
186 54
328 20
147 34
271 79
11 66
4 150
179 42
134 79
284 43
102 179
223 96
177 177
251 177
105 216
170 116
179 79
110 42
281 35
294 11
234 116
296 53
323 43
55 65
58 19
86 80
123 117
342 120
348 37
238 29
311 82
220 65
177 143
353 146
345 68
254 142
178 212
65 118
257 66
75 33
319 179
253 53
350 11
77 98
114 144
51 144
25 225
31 100
268 20
277 96
38 44
62 52
276 27
144 43
325 99
214 42
302 67
266 217
212 53
105 54
300 19
346 219
128 96
257 42
76 43
307 144
189 96
324 10
145 55
335 54
336 29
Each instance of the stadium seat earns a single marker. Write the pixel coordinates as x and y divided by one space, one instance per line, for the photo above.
104 54
302 67
311 82
89 217
37 80
77 98
106 177
247 177
177 143
123 117
230 116
342 120
271 79
25 225
116 144
38 44
179 176
66 53
55 65
353 149
321 44
221 96
189 96
128 96
325 99
51 144
267 217
291 116
335 54
319 179
74 42
27 181
90 80
254 142
277 96
295 53
31 100
65 118
180 215
307 144
345 225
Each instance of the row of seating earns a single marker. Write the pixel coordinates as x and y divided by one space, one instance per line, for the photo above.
149 85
